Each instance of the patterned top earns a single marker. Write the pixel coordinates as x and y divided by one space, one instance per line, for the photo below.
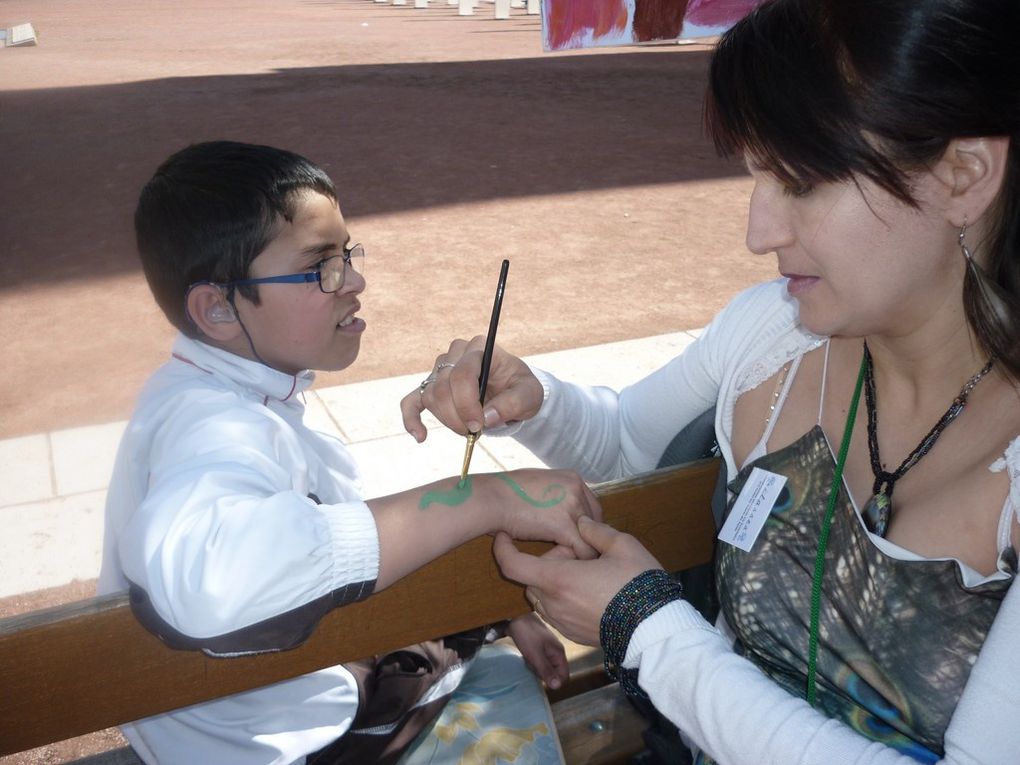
897 637
722 701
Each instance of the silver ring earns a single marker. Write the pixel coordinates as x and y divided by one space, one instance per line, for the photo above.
442 365
426 383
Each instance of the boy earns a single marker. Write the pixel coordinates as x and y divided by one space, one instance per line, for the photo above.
235 526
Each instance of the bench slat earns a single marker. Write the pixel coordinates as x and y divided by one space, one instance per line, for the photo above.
86 666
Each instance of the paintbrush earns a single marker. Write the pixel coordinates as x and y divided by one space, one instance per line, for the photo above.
483 378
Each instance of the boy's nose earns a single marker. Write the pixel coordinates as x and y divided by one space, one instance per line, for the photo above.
353 282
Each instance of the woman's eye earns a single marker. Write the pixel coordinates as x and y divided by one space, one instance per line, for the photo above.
798 190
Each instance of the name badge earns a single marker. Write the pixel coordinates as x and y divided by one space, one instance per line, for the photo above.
751 508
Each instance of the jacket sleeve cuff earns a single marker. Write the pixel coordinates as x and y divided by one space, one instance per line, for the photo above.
355 544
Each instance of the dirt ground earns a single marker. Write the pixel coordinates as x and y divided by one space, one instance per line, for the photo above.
455 142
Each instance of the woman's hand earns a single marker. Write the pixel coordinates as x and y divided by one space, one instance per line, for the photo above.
542 650
512 392
540 505
573 594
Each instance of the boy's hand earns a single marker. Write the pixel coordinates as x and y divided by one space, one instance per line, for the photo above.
451 392
542 650
419 525
541 505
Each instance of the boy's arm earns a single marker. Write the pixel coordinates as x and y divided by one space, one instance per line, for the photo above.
419 525
224 555
542 651
227 553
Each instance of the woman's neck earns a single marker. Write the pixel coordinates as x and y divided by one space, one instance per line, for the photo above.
925 368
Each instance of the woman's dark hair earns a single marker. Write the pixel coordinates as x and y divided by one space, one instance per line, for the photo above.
208 212
831 90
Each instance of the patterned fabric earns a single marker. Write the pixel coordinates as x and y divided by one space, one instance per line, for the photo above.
499 714
897 638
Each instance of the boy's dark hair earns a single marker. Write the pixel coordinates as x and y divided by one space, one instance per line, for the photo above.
829 90
208 212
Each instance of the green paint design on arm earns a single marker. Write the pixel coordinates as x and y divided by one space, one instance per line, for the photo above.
460 494
556 489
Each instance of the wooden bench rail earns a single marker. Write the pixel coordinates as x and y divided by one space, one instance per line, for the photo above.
86 666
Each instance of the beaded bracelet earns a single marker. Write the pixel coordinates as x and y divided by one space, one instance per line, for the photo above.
636 601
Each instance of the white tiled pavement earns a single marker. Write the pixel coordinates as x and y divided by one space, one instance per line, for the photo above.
54 484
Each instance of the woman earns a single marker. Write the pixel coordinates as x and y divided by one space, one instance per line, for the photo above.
871 620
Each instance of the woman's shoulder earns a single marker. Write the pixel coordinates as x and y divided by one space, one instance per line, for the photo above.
762 310
761 327
771 296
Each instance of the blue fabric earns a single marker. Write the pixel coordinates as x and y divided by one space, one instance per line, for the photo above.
498 714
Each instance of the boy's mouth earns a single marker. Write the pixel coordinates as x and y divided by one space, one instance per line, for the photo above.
351 318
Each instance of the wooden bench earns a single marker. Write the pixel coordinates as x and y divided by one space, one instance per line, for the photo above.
86 666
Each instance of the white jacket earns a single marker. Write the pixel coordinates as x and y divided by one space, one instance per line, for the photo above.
239 527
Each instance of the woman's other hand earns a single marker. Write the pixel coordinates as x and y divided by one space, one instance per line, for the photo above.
573 594
451 392
543 652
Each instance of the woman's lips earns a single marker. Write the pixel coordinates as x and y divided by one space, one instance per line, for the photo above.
797 284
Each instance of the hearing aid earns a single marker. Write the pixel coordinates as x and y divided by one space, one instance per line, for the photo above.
221 313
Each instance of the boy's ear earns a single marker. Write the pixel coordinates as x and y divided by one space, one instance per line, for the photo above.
972 171
211 312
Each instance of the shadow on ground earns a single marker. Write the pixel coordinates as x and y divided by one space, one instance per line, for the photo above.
399 136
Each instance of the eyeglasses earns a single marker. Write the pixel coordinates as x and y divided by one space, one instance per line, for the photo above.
329 273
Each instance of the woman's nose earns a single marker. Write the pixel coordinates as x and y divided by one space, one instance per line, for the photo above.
768 225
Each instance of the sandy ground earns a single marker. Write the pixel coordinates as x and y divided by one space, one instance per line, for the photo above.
455 141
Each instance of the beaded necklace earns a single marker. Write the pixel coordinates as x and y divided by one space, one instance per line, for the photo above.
878 511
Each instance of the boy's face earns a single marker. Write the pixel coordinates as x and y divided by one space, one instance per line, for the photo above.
298 326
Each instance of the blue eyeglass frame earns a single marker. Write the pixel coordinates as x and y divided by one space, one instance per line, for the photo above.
308 276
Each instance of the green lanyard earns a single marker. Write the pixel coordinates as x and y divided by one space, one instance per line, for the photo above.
823 538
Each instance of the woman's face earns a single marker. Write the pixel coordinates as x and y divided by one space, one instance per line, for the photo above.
857 260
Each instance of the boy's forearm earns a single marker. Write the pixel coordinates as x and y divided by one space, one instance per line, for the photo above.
419 525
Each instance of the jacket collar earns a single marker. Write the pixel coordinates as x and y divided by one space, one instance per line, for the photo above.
253 375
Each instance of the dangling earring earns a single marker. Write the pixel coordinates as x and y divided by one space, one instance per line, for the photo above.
963 244
990 293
